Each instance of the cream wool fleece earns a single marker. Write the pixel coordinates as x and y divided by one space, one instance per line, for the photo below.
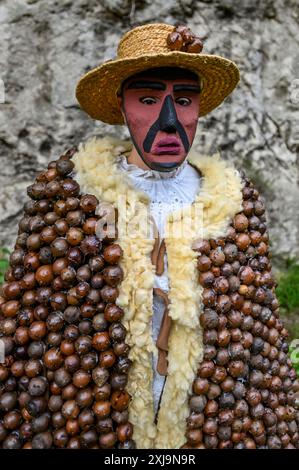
218 200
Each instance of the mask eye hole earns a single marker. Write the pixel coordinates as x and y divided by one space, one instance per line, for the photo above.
183 101
148 100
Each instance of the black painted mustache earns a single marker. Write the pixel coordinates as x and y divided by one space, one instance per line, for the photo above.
167 121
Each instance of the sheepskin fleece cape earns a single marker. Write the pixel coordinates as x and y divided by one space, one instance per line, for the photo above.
218 200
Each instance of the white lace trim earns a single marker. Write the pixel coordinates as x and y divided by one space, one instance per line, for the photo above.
153 175
167 191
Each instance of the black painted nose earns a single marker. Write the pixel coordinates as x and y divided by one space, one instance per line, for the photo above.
168 117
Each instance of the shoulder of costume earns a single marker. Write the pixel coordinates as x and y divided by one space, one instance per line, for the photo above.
97 172
213 163
219 168
107 144
221 177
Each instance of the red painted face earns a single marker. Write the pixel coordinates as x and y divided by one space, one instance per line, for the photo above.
162 118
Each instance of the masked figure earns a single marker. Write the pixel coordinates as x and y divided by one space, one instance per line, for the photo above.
139 309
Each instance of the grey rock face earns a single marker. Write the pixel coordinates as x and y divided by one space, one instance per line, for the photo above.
46 45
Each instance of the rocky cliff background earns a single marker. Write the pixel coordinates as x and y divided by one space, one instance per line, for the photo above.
46 45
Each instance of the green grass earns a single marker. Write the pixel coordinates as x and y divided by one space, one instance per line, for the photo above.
294 354
288 288
287 292
4 256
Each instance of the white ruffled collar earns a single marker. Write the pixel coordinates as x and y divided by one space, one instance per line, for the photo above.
153 175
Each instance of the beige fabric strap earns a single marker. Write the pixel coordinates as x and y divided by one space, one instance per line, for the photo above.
157 258
163 337
158 251
155 251
160 259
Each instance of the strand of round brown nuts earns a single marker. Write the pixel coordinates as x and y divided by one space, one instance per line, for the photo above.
63 383
182 39
244 394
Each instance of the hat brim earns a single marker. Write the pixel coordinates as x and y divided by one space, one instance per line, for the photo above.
97 89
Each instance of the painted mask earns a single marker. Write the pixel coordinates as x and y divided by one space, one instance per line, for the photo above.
161 111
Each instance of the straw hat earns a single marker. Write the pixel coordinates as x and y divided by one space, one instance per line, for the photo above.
146 47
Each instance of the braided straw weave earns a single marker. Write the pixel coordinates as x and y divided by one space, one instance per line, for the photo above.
146 47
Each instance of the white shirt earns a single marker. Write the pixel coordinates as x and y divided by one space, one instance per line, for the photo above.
168 191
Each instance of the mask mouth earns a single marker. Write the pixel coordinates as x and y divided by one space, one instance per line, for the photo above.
167 151
168 145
